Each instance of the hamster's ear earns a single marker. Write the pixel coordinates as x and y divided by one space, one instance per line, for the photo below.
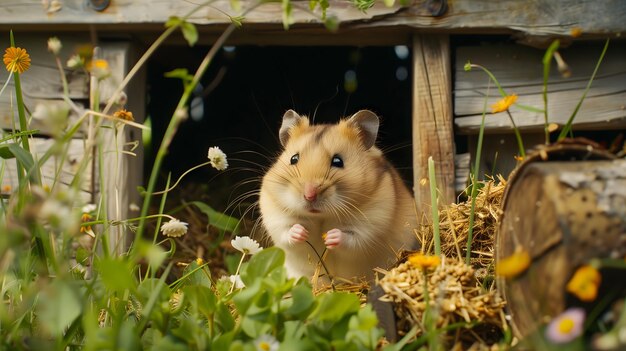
290 120
367 122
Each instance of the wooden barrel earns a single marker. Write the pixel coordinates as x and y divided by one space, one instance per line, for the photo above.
565 206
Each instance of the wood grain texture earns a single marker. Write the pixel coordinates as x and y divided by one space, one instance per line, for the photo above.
41 83
57 173
432 117
538 18
582 217
519 70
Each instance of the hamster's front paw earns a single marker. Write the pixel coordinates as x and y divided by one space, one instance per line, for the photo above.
298 234
333 238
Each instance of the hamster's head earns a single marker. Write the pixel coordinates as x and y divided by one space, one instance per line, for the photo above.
325 170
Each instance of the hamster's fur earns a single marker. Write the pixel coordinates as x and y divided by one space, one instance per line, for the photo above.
333 188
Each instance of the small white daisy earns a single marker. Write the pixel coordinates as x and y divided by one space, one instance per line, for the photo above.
75 61
54 45
266 342
246 245
174 228
134 207
217 158
88 208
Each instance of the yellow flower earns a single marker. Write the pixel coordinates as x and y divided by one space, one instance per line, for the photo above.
6 189
123 114
576 32
16 60
584 283
199 261
86 217
513 265
504 103
424 261
99 68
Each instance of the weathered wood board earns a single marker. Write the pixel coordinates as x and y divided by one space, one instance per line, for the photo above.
541 17
519 70
432 117
58 171
41 83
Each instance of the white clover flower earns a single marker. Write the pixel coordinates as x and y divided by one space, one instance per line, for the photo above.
134 207
54 45
217 158
233 279
88 208
75 61
246 245
236 280
174 228
266 342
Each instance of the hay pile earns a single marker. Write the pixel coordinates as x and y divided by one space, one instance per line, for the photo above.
454 226
460 297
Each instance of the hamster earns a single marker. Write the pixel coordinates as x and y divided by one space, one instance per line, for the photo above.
332 187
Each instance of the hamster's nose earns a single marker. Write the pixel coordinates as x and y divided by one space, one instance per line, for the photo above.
310 192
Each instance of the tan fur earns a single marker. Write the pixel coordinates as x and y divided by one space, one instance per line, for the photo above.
366 199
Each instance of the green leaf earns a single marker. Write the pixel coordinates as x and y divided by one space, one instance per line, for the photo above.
302 301
245 298
201 298
235 5
254 328
189 29
217 219
389 3
173 21
224 318
128 337
335 306
58 307
189 32
223 341
180 73
331 23
115 274
197 275
287 9
13 150
262 264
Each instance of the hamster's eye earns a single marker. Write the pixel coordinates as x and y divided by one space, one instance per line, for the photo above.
337 161
294 159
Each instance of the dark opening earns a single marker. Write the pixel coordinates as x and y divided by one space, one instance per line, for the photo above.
247 90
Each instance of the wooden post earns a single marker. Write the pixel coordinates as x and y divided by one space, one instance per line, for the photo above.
123 151
432 117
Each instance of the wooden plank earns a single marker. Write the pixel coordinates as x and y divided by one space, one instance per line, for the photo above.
150 11
519 70
539 17
42 82
57 172
123 171
432 116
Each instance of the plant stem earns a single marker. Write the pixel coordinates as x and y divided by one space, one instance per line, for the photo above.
474 193
568 125
232 287
434 206
518 136
547 60
176 119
